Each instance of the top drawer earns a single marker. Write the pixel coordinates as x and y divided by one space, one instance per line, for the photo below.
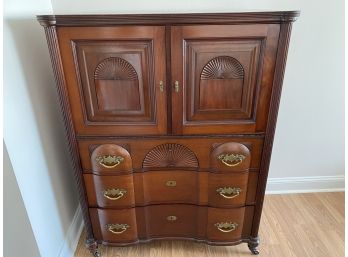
229 154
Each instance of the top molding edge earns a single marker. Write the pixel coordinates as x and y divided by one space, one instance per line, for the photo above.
168 19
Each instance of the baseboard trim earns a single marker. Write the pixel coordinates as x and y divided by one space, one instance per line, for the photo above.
290 185
73 235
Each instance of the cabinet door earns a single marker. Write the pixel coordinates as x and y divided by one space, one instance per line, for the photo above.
222 77
113 77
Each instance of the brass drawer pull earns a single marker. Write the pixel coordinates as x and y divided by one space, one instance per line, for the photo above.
161 86
114 194
231 160
226 227
109 161
176 86
117 228
172 218
171 183
229 192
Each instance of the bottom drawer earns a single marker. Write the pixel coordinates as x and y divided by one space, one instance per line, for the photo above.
214 225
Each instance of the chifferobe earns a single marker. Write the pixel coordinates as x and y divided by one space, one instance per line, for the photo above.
170 120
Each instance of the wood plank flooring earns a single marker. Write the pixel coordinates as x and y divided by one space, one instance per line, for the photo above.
298 225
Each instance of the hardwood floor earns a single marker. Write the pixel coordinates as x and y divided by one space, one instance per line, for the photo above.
292 225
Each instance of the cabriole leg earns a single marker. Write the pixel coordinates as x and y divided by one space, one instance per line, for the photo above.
253 244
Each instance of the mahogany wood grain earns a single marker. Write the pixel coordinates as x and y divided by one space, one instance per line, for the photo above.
101 110
201 147
109 217
97 185
203 43
172 221
156 187
112 150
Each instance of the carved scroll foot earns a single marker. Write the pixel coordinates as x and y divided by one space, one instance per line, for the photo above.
253 244
92 246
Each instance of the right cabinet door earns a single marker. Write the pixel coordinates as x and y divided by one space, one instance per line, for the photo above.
222 77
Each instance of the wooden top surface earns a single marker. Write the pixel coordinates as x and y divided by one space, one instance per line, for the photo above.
167 19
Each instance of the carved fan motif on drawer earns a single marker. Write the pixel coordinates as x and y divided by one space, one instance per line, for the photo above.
170 155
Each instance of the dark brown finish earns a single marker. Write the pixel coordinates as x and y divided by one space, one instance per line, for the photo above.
171 186
201 147
240 102
118 153
111 70
171 221
170 120
97 190
168 19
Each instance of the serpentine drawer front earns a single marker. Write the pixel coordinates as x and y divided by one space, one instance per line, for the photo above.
170 120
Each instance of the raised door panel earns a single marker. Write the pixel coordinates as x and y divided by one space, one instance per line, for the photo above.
113 76
223 77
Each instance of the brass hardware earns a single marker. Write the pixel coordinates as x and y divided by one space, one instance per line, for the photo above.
161 86
171 183
117 228
172 218
226 227
176 86
231 160
109 161
114 194
229 192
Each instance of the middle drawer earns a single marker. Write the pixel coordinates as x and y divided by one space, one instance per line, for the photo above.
160 187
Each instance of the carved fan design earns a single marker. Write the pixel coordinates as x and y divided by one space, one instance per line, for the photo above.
170 155
115 68
223 67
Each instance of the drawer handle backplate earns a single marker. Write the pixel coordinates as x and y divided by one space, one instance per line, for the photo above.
114 193
226 227
229 192
109 161
231 160
117 228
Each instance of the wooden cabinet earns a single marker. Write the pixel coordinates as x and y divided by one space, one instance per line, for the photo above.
170 120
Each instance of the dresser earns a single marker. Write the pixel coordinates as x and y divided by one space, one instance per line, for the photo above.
170 120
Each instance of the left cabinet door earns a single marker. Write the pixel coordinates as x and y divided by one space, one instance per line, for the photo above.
115 78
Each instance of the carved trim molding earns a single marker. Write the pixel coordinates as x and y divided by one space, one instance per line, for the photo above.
115 68
189 18
223 67
170 155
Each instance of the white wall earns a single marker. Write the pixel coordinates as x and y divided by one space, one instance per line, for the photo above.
17 227
33 130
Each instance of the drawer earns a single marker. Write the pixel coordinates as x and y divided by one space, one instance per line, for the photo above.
225 224
227 189
194 153
109 191
153 187
220 226
114 225
110 158
175 186
177 220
